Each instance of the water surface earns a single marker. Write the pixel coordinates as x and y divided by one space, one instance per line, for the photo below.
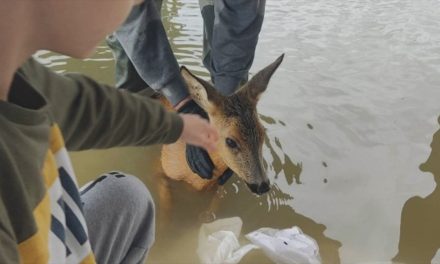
350 116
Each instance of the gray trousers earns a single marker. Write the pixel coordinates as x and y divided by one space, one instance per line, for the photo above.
119 213
144 57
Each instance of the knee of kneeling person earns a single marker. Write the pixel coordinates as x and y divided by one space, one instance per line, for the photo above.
128 192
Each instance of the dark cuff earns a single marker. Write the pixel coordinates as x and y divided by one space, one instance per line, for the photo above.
175 91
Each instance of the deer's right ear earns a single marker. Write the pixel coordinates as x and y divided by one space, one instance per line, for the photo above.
201 91
258 84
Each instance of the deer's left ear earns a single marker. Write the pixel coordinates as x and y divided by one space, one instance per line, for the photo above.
201 91
258 84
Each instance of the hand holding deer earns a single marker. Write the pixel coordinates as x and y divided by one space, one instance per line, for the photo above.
197 131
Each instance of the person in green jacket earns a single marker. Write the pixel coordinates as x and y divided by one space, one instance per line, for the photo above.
44 217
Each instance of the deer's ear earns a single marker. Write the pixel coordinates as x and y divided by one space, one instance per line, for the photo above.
258 84
201 91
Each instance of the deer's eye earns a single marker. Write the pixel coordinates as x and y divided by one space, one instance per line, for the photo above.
231 143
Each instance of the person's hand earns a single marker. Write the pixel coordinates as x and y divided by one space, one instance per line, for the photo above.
198 132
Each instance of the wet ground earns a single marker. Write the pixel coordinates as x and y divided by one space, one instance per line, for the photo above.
350 115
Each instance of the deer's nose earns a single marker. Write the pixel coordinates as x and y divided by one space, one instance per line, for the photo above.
260 188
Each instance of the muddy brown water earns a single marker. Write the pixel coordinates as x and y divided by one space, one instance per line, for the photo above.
350 115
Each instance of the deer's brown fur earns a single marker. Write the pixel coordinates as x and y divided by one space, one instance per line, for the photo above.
236 118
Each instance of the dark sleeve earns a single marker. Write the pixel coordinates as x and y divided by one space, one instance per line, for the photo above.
93 115
232 40
144 41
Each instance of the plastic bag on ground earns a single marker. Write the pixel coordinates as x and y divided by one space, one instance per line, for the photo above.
218 242
287 246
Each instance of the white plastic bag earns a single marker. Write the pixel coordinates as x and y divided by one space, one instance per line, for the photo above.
218 242
287 246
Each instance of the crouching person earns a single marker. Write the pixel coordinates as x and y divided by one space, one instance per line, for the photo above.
44 218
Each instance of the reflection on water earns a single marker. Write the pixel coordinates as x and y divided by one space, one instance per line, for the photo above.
99 66
184 27
420 222
349 116
291 170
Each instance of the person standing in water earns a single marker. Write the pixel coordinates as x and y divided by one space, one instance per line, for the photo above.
145 60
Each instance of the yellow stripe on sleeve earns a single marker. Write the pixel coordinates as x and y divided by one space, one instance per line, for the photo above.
35 249
50 171
50 168
56 139
90 259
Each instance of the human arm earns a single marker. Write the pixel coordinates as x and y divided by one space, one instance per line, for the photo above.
143 52
93 115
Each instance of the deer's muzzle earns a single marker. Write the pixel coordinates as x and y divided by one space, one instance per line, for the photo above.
259 188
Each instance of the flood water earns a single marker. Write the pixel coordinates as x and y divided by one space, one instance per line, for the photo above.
350 115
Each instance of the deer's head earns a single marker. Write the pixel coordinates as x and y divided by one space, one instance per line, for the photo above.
236 118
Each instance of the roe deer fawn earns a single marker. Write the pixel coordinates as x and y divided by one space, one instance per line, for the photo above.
241 133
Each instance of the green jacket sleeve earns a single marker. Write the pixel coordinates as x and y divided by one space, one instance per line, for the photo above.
93 115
